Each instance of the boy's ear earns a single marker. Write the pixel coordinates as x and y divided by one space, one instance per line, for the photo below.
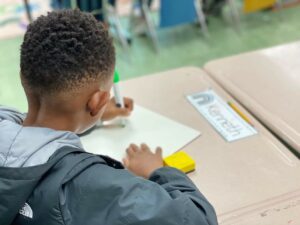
97 101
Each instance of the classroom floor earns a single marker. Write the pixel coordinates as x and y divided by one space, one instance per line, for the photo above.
183 46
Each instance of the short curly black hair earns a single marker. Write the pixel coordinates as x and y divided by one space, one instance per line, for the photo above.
65 50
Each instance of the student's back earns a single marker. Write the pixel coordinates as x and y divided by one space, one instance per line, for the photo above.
46 177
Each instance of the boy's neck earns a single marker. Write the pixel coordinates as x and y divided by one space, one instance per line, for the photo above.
55 122
39 116
49 121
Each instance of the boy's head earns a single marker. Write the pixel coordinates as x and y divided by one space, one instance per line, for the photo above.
67 65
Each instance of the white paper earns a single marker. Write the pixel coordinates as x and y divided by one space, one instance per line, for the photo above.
221 116
143 126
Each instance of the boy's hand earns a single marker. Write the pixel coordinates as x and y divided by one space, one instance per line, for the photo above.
141 161
112 111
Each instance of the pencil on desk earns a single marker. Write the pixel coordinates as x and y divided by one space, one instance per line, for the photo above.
241 114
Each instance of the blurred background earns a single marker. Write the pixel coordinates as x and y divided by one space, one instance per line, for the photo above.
152 36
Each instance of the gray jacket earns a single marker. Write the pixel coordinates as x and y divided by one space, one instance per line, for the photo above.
70 186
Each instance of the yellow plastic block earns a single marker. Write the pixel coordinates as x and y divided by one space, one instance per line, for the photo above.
180 160
256 5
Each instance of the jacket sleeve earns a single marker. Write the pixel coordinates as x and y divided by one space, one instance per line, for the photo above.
104 195
7 113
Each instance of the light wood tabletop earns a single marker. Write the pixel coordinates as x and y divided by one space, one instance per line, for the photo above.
244 180
267 83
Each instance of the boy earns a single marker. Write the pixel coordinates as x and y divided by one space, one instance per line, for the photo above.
67 64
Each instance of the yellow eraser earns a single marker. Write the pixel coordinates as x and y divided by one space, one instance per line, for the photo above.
180 160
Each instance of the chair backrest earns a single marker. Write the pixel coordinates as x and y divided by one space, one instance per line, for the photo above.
176 12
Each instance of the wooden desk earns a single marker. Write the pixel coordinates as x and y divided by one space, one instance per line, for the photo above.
242 179
267 83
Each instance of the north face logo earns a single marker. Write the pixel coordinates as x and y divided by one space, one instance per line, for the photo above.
26 211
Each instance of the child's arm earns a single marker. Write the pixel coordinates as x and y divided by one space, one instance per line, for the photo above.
142 162
7 113
113 196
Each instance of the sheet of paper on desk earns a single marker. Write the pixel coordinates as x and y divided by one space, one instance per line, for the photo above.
143 126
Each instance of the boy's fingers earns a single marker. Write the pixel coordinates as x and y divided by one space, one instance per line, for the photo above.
113 100
123 112
125 162
158 151
134 147
144 147
130 151
129 104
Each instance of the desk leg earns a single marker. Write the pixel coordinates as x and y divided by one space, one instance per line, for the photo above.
150 24
201 17
74 4
235 14
123 37
27 8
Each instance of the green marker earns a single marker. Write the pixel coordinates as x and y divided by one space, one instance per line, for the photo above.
117 93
